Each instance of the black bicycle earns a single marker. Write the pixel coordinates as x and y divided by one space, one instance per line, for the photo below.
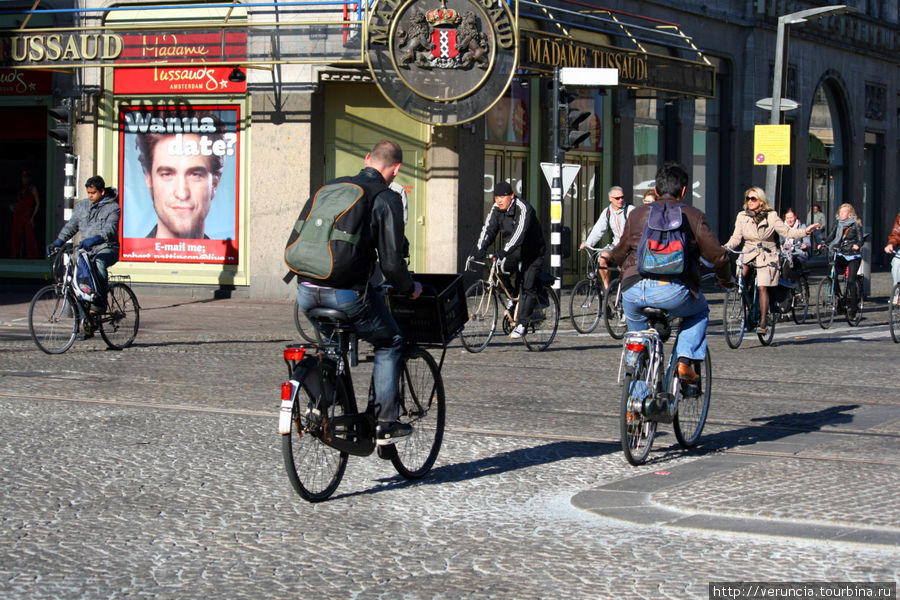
58 312
800 289
831 299
321 425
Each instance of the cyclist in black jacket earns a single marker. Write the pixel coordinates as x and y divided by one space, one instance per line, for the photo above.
523 245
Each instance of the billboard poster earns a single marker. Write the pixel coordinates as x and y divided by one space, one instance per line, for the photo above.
179 170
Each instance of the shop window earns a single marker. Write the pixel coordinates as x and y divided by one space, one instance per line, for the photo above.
23 188
646 145
507 122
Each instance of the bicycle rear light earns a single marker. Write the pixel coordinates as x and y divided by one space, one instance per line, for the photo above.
286 390
294 353
634 346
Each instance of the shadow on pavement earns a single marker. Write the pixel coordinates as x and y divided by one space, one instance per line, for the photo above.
497 464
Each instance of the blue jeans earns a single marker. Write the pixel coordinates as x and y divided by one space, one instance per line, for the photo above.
895 269
372 321
103 260
677 299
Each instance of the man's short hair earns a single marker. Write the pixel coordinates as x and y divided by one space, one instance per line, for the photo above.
96 182
146 142
671 179
615 188
386 154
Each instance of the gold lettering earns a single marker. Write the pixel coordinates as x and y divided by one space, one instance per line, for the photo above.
54 48
35 49
19 54
112 46
71 51
86 53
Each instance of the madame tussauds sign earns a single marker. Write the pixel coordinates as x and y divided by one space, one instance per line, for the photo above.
442 61
61 47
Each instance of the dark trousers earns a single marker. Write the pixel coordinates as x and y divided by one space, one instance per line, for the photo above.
839 264
528 285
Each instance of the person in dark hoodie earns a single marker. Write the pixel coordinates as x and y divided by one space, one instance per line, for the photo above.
96 218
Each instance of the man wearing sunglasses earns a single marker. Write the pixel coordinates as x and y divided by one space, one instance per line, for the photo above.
612 218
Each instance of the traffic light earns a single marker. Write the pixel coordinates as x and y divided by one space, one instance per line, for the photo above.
61 132
570 118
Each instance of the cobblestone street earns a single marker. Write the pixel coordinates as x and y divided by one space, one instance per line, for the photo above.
157 471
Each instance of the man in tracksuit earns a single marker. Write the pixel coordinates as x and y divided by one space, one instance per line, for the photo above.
97 219
523 245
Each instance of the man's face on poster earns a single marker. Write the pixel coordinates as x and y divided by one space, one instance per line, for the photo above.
182 188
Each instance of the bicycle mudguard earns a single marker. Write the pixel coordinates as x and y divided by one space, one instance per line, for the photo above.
300 372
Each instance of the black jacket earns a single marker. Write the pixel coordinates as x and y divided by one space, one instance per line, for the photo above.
388 242
519 228
853 235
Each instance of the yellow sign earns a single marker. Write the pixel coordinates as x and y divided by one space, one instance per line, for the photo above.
772 145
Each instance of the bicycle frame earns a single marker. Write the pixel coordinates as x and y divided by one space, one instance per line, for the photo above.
496 286
751 301
653 342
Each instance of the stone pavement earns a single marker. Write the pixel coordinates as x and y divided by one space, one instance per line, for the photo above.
156 472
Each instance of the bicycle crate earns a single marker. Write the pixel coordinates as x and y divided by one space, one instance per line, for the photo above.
437 315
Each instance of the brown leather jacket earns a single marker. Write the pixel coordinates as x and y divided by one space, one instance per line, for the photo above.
704 243
894 237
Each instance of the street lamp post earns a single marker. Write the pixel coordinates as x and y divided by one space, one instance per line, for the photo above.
780 61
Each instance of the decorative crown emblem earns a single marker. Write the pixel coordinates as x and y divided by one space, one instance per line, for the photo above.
442 16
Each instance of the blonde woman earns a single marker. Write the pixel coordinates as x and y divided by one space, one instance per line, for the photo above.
847 239
757 224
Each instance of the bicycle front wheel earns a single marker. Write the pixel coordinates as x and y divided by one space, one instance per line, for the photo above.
636 431
421 400
825 303
585 305
693 404
894 314
614 313
854 320
314 468
541 328
734 319
304 326
53 320
800 304
482 306
119 324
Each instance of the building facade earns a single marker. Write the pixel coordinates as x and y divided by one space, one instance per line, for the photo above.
273 99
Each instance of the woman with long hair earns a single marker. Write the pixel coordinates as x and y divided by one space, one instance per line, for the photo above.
847 238
758 226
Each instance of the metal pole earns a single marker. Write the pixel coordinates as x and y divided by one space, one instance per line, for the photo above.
775 114
556 191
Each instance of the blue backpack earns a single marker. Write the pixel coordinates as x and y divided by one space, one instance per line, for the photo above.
662 250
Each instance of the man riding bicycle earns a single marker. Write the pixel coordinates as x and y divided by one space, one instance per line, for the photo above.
383 240
612 218
679 295
97 219
523 244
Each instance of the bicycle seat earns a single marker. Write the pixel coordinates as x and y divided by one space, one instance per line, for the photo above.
329 315
655 314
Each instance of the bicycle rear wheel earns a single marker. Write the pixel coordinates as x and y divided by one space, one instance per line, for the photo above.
585 305
800 304
482 306
421 400
119 324
304 326
614 313
825 303
734 319
855 319
53 320
541 328
894 314
314 468
771 318
636 431
693 404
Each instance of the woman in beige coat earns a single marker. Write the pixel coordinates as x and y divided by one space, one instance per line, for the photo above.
759 224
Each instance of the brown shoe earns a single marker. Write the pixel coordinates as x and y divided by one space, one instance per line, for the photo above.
687 374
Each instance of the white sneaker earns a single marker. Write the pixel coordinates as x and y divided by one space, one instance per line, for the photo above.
518 332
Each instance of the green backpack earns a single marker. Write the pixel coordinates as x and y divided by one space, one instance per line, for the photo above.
329 244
